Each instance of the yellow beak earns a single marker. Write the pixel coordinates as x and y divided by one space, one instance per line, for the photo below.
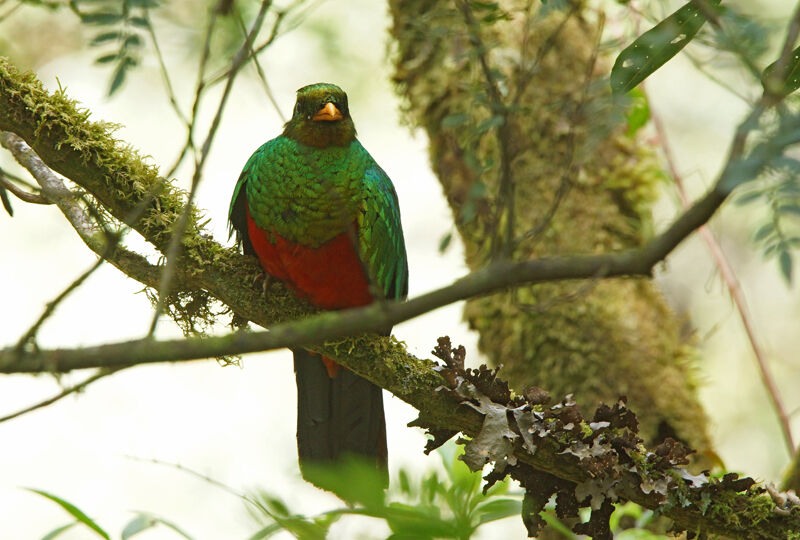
328 113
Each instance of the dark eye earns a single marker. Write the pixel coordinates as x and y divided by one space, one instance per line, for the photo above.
296 109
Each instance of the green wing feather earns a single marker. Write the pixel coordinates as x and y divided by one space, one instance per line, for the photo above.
361 186
380 234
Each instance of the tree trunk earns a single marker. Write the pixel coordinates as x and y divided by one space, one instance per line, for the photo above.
578 184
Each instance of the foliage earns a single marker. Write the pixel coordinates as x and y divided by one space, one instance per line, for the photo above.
121 33
453 505
449 506
655 47
777 172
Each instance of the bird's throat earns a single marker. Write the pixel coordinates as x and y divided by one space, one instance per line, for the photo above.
321 134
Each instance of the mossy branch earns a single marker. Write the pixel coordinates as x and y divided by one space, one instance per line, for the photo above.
86 153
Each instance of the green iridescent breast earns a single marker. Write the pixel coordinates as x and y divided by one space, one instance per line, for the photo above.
305 194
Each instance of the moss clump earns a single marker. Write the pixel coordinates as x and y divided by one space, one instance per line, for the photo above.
116 174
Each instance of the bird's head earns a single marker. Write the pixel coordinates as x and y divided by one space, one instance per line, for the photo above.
321 117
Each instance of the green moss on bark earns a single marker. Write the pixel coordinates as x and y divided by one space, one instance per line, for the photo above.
615 337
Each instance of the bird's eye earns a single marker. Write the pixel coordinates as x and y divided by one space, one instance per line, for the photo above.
296 109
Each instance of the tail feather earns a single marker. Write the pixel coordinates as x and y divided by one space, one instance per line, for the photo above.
337 416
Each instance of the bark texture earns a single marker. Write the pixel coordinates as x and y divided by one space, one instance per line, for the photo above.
579 184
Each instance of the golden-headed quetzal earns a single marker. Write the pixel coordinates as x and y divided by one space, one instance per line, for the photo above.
323 217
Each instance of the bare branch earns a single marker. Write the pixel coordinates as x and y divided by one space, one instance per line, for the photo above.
21 194
261 75
61 395
52 187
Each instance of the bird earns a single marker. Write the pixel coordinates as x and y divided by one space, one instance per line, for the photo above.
323 217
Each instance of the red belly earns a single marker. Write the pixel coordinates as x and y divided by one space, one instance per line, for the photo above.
330 276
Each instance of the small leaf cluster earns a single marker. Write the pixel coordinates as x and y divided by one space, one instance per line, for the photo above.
779 232
120 37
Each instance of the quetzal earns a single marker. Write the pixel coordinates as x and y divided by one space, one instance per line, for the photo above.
323 217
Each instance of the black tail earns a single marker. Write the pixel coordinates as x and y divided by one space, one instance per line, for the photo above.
337 416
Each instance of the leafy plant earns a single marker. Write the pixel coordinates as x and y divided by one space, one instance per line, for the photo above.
453 506
122 24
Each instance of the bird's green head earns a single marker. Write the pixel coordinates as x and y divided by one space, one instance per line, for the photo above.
321 117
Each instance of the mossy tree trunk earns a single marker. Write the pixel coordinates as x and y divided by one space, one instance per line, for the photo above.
579 185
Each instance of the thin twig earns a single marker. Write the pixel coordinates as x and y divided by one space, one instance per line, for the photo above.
10 11
165 73
103 372
21 193
734 289
130 263
52 187
698 65
261 75
103 245
280 18
505 190
51 306
549 44
176 242
200 87
205 478
571 170
711 16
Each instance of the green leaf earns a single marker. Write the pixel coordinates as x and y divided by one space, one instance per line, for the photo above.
557 525
106 58
73 510
57 531
748 197
303 529
653 48
638 534
445 242
454 120
156 520
132 40
764 231
402 476
791 79
141 22
549 6
353 480
275 505
138 524
119 74
266 532
785 261
639 113
491 123
101 19
495 509
415 521
105 37
789 208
